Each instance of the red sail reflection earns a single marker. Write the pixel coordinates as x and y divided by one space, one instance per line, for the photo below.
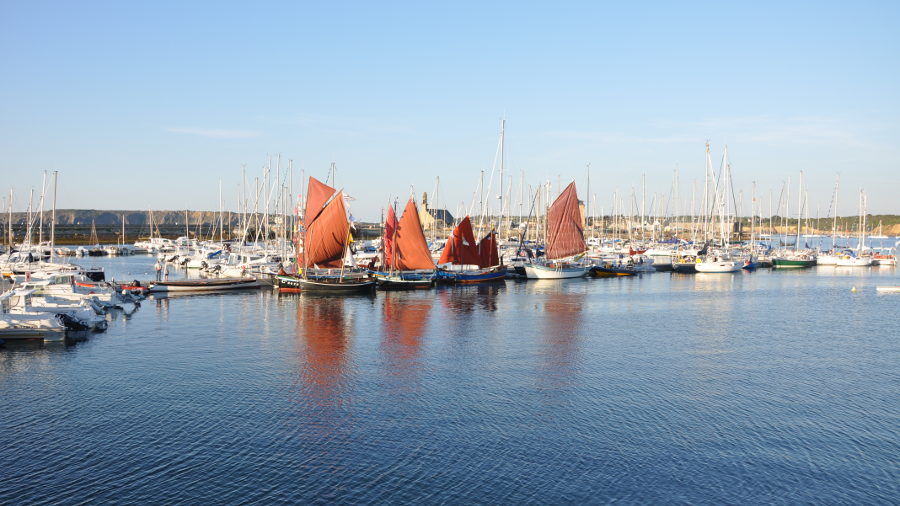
323 327
406 318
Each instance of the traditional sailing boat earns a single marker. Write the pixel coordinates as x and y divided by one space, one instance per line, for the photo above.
565 238
462 255
406 254
326 242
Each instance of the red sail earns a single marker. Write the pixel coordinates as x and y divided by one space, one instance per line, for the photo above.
390 226
327 237
317 194
410 248
460 248
487 251
565 234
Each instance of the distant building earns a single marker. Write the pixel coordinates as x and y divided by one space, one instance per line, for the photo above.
434 217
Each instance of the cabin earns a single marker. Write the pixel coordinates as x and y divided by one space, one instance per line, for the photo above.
434 217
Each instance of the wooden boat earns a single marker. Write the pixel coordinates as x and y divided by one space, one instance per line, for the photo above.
565 238
608 270
203 285
404 280
326 244
406 254
468 262
295 284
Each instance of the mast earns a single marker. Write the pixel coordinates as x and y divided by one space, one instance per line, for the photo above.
834 218
502 135
53 218
9 223
799 210
41 216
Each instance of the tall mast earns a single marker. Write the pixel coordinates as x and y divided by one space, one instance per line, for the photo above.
221 218
502 135
9 222
41 216
799 209
53 218
834 218
588 207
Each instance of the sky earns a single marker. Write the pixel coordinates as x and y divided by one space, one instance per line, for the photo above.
144 105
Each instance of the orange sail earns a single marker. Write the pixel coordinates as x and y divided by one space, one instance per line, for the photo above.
390 226
565 234
487 251
327 236
410 250
460 248
317 194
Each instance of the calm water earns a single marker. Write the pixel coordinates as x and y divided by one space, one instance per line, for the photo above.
751 388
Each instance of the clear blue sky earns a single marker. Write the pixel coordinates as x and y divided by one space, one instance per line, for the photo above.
150 104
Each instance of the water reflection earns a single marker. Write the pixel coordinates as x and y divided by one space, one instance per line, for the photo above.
461 300
561 334
322 330
405 322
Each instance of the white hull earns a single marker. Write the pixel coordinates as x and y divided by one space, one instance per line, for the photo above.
826 260
888 289
719 266
212 286
854 262
534 271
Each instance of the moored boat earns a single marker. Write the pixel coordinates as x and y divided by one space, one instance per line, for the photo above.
337 285
203 285
565 240
407 260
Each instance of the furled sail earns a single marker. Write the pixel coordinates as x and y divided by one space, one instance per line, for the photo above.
565 233
390 226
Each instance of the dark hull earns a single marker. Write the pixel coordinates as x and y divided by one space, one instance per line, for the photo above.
472 277
685 268
293 284
609 272
398 283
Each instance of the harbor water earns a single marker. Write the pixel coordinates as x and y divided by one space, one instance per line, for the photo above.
755 387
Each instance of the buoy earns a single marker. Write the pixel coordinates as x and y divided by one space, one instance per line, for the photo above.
853 289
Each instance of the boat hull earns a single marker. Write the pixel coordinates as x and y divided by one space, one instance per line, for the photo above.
787 263
473 277
719 267
213 285
599 271
292 284
685 267
403 281
535 271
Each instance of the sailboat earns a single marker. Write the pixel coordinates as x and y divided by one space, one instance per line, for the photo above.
795 258
468 262
860 258
721 259
565 239
406 255
326 243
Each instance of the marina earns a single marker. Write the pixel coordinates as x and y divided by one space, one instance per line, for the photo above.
504 253
558 383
